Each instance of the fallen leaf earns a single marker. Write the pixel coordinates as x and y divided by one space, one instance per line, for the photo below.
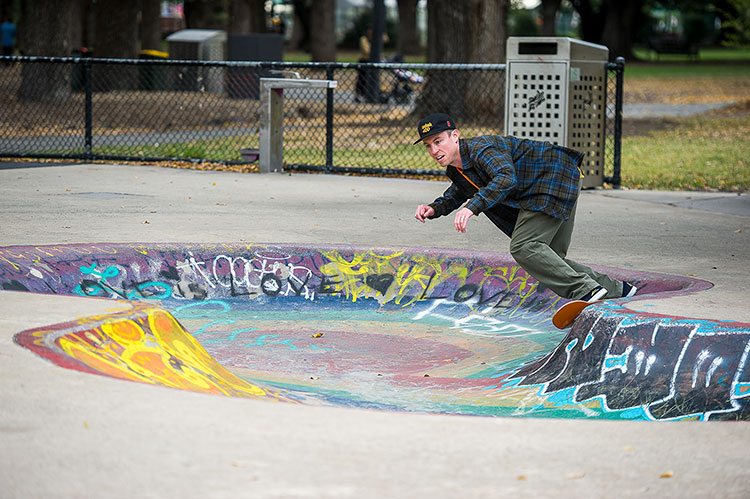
240 464
690 275
146 222
521 477
85 424
575 476
221 204
738 230
627 448
317 335
668 474
426 375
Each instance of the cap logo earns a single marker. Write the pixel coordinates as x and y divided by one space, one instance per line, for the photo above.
426 127
448 123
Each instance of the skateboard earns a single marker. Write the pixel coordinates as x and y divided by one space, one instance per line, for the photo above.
568 313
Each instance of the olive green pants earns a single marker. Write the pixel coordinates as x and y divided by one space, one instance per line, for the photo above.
540 244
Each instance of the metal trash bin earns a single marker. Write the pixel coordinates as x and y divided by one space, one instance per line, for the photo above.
152 76
556 92
198 45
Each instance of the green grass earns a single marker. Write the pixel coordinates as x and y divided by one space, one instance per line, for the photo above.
638 70
698 154
223 149
343 56
716 54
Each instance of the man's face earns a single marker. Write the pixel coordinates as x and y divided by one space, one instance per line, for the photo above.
443 147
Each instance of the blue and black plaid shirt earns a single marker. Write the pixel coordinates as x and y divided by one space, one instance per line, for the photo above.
500 175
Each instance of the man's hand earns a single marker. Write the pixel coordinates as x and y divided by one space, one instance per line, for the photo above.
424 211
462 217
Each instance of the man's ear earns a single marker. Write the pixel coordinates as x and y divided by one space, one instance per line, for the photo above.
455 133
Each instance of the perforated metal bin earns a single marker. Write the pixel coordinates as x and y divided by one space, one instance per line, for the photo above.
556 91
198 45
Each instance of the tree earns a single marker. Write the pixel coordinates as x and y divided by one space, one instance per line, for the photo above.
246 16
314 28
473 34
737 23
6 9
610 23
549 14
205 14
116 30
619 28
150 25
408 37
323 36
301 34
46 32
115 35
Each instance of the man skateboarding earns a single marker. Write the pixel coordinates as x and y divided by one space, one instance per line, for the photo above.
529 190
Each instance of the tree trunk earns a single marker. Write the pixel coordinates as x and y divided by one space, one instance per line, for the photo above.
204 14
323 37
474 34
116 36
46 32
6 10
447 41
301 34
246 17
619 26
549 14
408 36
151 25
592 22
116 29
612 25
446 32
488 30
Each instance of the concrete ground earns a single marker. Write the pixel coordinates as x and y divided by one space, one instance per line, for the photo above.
65 433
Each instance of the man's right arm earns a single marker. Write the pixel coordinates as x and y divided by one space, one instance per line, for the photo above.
448 202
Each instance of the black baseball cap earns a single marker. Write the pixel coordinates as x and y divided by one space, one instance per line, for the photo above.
434 123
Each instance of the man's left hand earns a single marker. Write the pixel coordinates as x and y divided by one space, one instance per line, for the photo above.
462 218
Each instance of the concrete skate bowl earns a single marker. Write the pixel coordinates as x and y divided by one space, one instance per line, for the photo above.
402 329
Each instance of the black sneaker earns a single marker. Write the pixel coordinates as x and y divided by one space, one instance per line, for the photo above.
595 294
628 289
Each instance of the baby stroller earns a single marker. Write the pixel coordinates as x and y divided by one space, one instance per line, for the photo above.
401 92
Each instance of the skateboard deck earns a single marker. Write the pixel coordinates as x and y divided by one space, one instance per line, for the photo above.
568 313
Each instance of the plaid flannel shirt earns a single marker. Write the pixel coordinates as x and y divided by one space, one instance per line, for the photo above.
501 175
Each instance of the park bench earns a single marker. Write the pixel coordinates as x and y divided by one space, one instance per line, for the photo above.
672 45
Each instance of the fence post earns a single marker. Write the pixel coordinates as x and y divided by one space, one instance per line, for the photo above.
88 89
329 121
616 178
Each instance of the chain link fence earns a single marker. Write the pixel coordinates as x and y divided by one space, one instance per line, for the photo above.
157 110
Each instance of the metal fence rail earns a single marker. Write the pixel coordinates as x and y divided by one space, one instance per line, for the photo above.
155 110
